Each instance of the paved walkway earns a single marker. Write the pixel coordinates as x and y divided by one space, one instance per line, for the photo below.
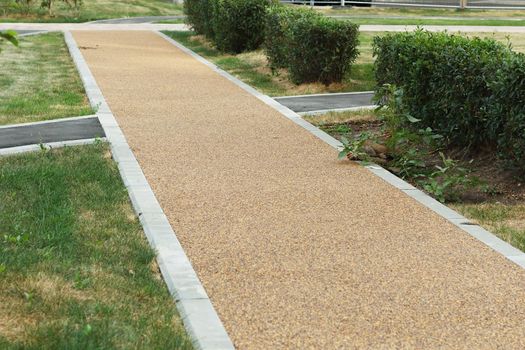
51 131
296 249
323 102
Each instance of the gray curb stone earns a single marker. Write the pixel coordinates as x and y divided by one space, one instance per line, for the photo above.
324 111
47 145
197 312
48 121
489 239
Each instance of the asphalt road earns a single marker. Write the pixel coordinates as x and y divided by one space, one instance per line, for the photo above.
310 103
78 129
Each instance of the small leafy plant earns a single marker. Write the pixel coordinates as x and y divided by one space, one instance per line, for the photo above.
448 180
354 149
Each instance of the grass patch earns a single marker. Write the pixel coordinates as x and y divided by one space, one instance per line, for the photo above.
363 115
421 12
76 269
39 81
436 22
252 68
171 21
505 220
91 10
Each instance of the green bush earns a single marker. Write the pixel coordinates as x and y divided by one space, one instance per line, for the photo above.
445 81
198 16
507 103
238 25
468 90
321 49
276 40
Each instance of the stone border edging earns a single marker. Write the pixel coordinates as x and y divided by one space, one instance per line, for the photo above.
324 111
197 313
476 231
47 145
327 94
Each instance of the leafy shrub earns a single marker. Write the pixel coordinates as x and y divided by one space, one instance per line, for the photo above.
321 49
445 80
238 25
276 40
507 103
199 16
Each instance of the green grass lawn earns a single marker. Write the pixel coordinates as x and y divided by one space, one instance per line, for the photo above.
171 21
91 10
76 270
426 16
251 67
39 81
436 22
421 12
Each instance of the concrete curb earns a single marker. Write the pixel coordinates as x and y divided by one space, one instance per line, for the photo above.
327 94
48 145
489 239
33 33
324 111
198 315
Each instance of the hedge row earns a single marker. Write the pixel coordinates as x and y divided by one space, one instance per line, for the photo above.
312 47
469 90
232 25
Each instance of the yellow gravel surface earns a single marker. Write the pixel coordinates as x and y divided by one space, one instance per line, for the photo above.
296 249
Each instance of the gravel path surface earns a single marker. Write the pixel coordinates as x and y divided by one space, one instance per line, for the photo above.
296 249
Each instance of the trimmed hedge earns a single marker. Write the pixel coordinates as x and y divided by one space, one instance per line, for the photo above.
238 25
276 42
199 16
321 49
508 103
232 25
312 47
468 90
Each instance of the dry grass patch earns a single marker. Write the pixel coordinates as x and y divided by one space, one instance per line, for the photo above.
39 81
364 115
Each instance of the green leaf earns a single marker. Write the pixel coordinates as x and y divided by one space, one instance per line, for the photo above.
412 119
